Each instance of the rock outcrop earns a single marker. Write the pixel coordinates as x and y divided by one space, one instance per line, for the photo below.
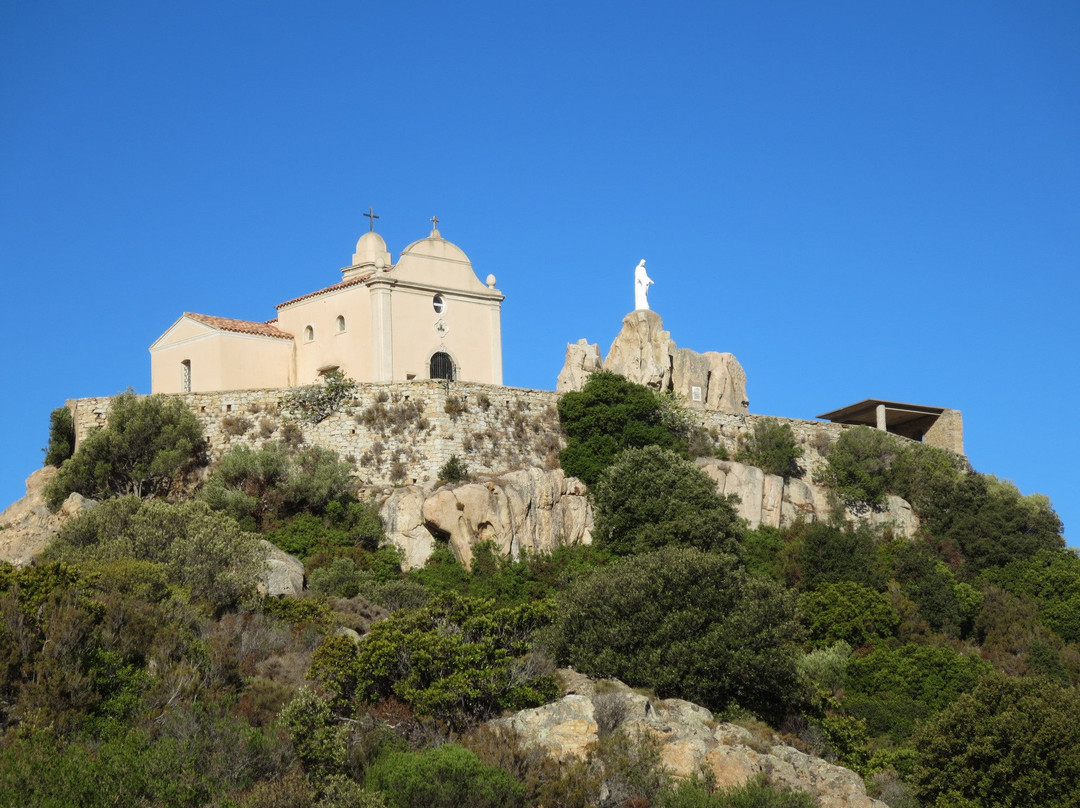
27 526
529 510
582 360
766 499
689 737
284 574
646 354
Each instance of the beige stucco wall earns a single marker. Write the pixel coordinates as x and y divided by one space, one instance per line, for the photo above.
219 360
349 350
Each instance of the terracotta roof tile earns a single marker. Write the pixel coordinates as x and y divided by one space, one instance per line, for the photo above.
239 326
334 288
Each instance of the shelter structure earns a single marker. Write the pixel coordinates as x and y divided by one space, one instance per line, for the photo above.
935 426
428 316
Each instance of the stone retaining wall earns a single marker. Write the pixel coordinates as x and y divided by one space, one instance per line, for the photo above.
404 432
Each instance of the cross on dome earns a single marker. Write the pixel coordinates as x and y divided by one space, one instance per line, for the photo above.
434 227
372 216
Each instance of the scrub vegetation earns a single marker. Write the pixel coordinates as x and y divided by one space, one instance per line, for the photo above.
140 665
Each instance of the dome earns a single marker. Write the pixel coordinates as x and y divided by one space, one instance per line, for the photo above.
369 249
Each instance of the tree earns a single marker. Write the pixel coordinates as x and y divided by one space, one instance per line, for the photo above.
650 498
772 447
609 414
61 437
828 554
689 624
1011 742
148 444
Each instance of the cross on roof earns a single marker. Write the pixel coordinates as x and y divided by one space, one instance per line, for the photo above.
372 216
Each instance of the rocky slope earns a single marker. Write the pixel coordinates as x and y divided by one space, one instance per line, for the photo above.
690 739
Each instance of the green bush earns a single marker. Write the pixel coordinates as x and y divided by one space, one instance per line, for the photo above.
847 611
1051 578
1012 742
825 553
859 465
261 488
992 523
446 777
893 688
609 414
203 551
454 470
149 443
651 498
688 624
61 437
455 658
772 447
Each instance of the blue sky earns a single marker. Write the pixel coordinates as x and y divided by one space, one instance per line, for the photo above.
856 199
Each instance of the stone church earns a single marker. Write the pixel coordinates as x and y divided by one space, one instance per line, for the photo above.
428 316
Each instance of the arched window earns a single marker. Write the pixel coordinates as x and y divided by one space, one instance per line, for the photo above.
309 333
340 323
185 376
442 366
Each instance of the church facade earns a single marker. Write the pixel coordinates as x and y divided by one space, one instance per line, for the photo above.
426 317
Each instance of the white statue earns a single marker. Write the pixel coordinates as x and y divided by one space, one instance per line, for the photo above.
642 282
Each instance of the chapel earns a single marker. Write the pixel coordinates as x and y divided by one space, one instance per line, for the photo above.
428 316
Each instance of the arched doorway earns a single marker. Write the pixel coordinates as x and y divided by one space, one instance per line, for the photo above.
442 366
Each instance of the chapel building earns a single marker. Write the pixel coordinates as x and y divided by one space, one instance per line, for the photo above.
426 317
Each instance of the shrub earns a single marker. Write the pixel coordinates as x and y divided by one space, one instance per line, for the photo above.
456 658
859 465
316 402
447 777
203 551
61 437
609 414
454 470
847 611
828 554
259 488
1052 579
148 444
650 498
755 793
1010 742
688 624
772 447
893 688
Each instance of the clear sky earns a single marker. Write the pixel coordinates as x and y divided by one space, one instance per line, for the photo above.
856 199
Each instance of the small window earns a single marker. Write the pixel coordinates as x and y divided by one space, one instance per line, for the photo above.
340 323
185 376
309 333
442 366
439 304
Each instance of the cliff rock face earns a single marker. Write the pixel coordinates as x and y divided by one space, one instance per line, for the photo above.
646 354
27 526
766 499
689 737
528 510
